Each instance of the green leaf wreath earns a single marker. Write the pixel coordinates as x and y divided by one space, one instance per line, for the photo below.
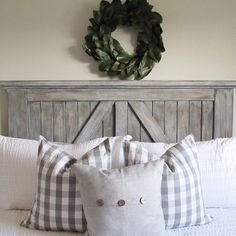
113 59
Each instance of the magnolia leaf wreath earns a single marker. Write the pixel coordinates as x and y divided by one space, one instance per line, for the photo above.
113 59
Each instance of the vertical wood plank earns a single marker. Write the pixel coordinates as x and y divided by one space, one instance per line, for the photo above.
183 119
133 125
223 113
47 120
83 114
59 121
121 118
100 126
195 119
34 116
17 113
159 113
144 137
171 120
207 120
71 121
108 124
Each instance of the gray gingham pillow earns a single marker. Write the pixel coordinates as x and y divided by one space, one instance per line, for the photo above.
182 200
57 204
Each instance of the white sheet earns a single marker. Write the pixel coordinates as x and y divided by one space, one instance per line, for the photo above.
10 226
224 224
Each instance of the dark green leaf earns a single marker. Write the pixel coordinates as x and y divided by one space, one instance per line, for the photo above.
124 58
103 55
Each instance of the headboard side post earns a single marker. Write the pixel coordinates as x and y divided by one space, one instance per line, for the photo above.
17 113
223 120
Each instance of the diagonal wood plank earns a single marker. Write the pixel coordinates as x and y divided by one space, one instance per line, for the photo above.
90 128
147 120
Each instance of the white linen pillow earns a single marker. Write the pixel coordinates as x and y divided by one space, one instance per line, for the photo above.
18 158
217 164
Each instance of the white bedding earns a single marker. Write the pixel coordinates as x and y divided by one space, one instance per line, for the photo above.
224 224
10 226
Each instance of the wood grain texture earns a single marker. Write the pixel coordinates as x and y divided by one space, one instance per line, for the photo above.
209 114
90 129
71 114
134 127
195 119
144 135
223 113
183 119
67 84
17 113
34 120
159 113
147 120
171 120
121 118
207 120
47 120
108 124
59 133
121 94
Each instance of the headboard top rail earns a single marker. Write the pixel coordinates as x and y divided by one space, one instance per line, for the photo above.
109 84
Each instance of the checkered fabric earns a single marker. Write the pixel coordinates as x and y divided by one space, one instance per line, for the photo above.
58 203
181 192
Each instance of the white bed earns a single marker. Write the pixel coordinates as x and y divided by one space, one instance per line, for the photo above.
150 111
224 224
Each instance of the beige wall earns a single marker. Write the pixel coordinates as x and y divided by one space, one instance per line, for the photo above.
41 39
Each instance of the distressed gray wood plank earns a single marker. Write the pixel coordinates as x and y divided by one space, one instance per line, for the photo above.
147 120
144 134
207 120
171 120
34 120
223 113
71 121
183 119
99 131
121 118
134 127
108 124
159 113
47 120
134 94
118 84
17 113
59 122
195 119
83 114
89 130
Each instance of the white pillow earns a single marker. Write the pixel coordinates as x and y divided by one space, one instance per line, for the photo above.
18 159
217 164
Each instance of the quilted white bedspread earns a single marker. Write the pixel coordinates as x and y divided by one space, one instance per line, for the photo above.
224 224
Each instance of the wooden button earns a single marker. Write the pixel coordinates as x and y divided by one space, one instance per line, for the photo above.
142 201
100 202
121 203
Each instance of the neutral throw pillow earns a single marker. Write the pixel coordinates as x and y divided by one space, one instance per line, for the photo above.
57 203
217 164
17 172
182 200
124 201
18 159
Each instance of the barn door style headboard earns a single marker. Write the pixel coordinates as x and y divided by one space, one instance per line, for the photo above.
74 111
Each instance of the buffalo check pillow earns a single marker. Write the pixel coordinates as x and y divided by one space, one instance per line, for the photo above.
57 204
181 192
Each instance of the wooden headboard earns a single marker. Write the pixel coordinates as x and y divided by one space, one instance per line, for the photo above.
72 111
